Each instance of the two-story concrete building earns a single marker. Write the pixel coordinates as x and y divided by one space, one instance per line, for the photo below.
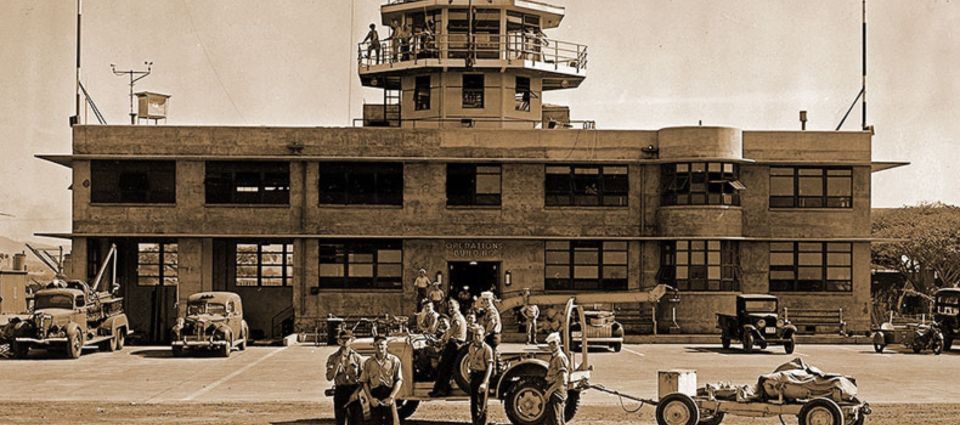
465 173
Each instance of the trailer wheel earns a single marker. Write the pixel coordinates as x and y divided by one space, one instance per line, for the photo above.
677 409
715 419
74 341
747 341
406 408
526 401
820 411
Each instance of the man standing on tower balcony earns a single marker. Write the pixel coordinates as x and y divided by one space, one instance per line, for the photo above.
374 38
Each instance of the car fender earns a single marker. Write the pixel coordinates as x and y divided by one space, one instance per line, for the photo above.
114 322
789 330
528 367
224 329
752 329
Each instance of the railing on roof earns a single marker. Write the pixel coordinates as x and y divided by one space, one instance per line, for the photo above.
514 46
476 122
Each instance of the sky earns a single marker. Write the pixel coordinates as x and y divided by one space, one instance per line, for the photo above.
751 64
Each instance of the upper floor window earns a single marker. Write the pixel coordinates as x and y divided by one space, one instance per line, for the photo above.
157 264
701 265
361 183
264 264
244 182
362 264
811 187
521 95
700 183
473 91
586 185
811 266
585 265
473 184
133 182
421 93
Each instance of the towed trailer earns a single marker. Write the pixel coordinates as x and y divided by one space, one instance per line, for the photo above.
681 403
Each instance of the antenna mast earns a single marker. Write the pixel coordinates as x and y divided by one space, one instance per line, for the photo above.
134 77
75 119
863 87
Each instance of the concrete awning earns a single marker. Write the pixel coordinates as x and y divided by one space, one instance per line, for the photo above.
876 166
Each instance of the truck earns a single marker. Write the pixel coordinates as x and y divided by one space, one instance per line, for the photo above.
70 314
519 381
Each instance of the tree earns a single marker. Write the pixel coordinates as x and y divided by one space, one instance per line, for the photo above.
922 243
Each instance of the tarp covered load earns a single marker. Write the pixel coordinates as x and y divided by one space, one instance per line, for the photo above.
794 380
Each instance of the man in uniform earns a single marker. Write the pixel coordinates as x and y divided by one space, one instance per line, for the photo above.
436 296
427 319
480 364
343 368
451 340
530 313
557 376
382 378
421 283
492 326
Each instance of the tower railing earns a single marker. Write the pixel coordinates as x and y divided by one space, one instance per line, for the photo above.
537 49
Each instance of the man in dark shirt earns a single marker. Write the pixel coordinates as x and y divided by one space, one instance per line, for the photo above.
343 368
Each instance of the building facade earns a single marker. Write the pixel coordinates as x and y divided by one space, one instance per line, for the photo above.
463 172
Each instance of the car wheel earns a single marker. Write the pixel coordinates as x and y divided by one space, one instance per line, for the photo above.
20 349
677 409
526 401
225 349
121 339
243 339
74 341
725 342
178 351
790 344
748 341
879 342
406 408
714 419
937 344
617 346
820 411
947 343
917 347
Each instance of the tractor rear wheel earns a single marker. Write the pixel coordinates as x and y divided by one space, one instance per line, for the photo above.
526 401
406 408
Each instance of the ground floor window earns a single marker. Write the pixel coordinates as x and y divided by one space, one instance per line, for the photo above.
701 265
157 264
361 264
811 266
264 264
585 265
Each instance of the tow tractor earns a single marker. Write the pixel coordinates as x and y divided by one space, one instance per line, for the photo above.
682 403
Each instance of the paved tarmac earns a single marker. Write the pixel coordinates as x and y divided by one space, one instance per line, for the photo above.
295 374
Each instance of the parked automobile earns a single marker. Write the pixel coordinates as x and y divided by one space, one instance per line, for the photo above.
601 328
213 321
757 324
947 314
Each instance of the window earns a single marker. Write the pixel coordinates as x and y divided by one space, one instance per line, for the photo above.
264 264
133 182
248 182
367 264
157 264
700 183
810 187
701 265
585 265
361 183
473 184
811 266
583 185
421 93
473 91
521 96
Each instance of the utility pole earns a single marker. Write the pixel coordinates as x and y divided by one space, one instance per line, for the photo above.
134 77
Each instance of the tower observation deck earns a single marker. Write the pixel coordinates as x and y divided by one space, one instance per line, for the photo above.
467 63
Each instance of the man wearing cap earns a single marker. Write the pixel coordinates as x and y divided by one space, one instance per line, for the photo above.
343 368
382 378
530 313
480 365
452 339
421 283
427 319
436 296
558 374
492 326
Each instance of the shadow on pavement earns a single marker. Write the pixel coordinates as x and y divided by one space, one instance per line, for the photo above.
153 353
318 421
729 351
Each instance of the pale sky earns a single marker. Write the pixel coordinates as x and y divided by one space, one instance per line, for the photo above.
751 64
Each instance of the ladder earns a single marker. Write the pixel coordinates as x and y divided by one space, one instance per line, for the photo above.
391 107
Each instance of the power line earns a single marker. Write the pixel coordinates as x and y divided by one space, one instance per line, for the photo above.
206 54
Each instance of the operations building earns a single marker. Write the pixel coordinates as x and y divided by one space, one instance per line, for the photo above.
464 171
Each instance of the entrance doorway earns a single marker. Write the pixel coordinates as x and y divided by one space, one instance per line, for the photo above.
476 276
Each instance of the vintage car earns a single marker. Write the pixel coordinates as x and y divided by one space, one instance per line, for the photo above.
947 314
70 315
601 329
757 324
213 321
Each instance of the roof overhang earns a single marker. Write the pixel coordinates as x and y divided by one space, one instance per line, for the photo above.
876 166
64 160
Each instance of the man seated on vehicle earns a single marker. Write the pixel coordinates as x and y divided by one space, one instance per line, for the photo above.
343 368
480 365
452 340
427 319
557 376
382 379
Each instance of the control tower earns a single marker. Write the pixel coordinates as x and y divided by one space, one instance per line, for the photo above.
467 63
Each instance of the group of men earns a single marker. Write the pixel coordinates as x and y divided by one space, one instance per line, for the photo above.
379 378
401 39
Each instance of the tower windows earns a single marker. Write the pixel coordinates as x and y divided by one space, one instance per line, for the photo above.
473 91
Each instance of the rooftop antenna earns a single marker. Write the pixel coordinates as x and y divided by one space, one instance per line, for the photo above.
75 119
135 76
862 96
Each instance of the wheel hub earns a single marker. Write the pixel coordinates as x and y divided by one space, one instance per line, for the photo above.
676 413
819 416
530 404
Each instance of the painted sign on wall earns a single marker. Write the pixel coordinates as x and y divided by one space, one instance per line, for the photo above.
473 249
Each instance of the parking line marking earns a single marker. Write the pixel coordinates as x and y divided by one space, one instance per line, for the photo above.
235 373
634 352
